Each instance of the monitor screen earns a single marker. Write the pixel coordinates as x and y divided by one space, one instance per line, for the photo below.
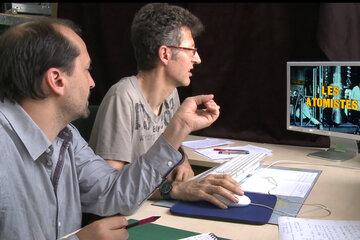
324 98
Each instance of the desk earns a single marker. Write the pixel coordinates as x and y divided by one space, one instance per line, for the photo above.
337 188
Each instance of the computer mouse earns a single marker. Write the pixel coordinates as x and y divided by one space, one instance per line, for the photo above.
243 201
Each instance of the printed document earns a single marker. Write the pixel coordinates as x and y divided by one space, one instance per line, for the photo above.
312 229
206 143
216 155
282 182
204 236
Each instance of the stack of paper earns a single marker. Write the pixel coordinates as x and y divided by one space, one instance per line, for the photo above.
313 229
204 236
284 182
206 143
216 155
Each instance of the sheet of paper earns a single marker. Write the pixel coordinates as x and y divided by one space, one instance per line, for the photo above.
206 143
280 182
312 229
256 149
165 203
215 155
204 236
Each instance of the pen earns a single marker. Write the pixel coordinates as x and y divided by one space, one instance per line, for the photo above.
231 151
143 221
140 222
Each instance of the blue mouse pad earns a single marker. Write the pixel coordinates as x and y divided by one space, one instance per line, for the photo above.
250 214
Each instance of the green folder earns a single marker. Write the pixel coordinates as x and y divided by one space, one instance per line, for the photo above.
154 231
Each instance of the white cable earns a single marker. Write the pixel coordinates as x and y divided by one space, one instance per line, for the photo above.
283 199
307 204
291 214
319 205
273 209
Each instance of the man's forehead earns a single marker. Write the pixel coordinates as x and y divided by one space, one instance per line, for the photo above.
70 35
186 36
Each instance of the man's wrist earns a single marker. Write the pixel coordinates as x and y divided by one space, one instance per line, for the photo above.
174 190
175 133
165 190
184 156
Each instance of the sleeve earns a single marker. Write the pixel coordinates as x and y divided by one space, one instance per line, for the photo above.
105 191
113 128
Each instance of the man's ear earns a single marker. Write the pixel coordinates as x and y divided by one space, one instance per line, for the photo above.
164 54
55 81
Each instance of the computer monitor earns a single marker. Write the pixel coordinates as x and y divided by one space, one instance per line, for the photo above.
324 98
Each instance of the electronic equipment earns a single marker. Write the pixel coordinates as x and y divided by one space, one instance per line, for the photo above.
243 201
15 13
238 168
324 98
29 8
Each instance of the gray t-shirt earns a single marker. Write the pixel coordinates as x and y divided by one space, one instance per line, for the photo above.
125 126
44 186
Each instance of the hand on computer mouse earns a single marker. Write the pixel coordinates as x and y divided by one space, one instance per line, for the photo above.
243 201
206 188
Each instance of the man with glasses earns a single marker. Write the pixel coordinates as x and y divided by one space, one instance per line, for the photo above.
137 109
48 173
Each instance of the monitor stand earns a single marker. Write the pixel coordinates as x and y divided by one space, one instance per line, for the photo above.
341 149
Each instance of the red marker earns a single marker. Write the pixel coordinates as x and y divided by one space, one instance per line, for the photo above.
231 151
143 221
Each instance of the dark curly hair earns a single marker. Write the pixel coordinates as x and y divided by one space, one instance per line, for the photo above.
157 24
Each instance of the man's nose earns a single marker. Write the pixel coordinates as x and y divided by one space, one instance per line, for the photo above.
197 59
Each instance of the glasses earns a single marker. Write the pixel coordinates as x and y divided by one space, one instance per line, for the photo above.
194 50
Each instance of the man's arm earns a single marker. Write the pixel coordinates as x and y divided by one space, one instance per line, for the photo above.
184 171
111 228
106 191
189 118
118 165
204 189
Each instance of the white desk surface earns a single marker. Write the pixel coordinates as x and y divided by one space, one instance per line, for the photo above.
337 188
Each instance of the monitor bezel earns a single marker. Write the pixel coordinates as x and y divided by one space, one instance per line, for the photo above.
310 130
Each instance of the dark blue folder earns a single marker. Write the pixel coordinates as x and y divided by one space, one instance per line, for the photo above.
250 214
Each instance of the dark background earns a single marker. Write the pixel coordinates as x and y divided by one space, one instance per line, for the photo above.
244 51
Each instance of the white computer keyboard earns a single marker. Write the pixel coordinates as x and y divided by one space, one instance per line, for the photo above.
239 167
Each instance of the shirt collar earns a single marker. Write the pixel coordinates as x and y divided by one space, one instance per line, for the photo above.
29 133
